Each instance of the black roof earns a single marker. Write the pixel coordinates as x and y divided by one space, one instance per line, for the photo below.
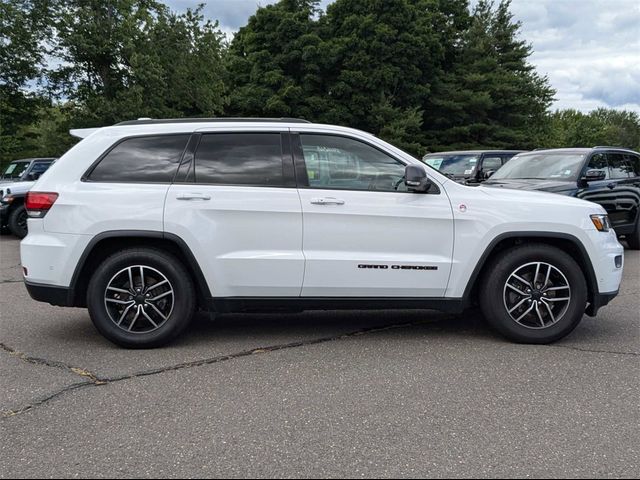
582 150
473 152
155 121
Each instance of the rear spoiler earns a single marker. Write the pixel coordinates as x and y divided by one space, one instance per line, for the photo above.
82 132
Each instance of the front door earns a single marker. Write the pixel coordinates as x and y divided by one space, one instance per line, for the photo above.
364 234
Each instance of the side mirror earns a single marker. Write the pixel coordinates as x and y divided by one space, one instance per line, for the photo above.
488 173
416 180
594 175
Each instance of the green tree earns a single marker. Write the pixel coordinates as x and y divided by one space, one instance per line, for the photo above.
122 59
23 30
273 63
385 56
494 98
571 128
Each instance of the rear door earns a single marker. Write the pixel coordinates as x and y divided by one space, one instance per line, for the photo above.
624 186
600 191
235 204
365 235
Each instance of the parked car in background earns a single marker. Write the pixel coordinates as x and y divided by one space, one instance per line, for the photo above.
473 166
17 179
609 176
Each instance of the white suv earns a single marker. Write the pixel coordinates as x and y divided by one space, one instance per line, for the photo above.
145 221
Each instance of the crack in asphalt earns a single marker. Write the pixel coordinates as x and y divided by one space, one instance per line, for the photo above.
50 363
42 401
11 281
591 350
96 381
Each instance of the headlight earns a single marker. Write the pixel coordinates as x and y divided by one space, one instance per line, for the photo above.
601 222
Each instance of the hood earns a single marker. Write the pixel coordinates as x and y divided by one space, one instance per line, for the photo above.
16 187
557 186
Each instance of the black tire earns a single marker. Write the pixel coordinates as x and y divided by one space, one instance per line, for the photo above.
18 221
159 265
633 239
494 294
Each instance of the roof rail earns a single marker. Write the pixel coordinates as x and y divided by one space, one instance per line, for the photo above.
155 121
610 146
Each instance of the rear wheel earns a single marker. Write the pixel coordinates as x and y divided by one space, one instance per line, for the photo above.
141 298
18 221
533 293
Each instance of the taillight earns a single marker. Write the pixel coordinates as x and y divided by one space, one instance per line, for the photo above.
39 203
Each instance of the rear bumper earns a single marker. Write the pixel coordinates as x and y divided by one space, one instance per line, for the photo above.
52 294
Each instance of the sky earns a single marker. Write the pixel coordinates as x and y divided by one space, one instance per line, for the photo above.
589 49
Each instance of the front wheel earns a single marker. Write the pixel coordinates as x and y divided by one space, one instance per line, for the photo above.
141 298
533 293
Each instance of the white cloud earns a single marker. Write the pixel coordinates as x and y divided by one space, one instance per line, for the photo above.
589 49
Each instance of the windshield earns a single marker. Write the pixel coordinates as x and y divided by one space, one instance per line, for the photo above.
453 164
542 166
15 170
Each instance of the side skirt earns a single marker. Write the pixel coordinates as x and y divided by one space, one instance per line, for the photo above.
297 304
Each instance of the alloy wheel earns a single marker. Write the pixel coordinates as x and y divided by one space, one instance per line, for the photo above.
139 299
537 295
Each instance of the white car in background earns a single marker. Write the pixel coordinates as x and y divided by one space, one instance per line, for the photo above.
16 180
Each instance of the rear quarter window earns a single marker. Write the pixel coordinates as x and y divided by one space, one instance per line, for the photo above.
152 159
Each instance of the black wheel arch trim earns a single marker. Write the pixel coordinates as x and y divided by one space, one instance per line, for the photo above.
201 283
592 282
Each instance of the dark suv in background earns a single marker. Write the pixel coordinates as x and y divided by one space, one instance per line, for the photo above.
609 176
472 166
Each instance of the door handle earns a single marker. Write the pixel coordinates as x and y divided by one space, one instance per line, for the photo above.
193 196
611 186
327 201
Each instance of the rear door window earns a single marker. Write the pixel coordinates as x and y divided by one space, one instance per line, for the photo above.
151 159
618 166
40 167
634 163
491 163
252 159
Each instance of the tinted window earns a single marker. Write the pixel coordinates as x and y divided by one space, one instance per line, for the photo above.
634 161
599 162
453 164
491 163
618 166
343 163
240 159
142 160
40 167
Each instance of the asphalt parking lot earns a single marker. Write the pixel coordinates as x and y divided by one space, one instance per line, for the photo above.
372 394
